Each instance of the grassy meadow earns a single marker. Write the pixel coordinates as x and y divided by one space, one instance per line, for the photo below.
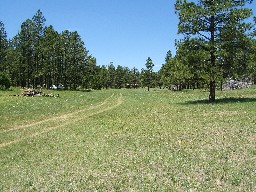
128 140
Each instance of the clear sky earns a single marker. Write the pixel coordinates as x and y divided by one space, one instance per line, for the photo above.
124 32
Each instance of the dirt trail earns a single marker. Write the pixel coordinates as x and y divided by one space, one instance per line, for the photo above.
59 117
67 119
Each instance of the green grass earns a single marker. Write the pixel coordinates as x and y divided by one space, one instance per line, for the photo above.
128 140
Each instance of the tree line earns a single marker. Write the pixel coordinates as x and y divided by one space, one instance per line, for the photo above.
218 43
40 56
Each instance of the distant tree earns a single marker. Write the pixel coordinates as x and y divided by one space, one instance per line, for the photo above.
206 21
168 56
96 82
135 77
25 45
14 61
143 77
165 71
156 80
104 76
179 73
65 58
78 55
38 28
51 54
127 76
3 48
111 73
5 82
131 77
148 72
91 74
119 77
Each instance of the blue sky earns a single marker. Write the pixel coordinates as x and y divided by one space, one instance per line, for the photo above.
124 32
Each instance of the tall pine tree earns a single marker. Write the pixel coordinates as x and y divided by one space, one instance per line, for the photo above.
207 21
3 48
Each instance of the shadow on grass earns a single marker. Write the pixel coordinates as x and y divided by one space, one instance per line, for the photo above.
222 101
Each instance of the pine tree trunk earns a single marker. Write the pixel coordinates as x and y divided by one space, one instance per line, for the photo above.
213 58
212 91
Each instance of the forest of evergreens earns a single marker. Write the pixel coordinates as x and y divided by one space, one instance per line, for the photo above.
40 56
219 44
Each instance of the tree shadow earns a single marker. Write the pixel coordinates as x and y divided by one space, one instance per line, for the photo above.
222 101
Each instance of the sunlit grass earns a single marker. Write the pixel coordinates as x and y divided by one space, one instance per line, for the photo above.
20 110
124 140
